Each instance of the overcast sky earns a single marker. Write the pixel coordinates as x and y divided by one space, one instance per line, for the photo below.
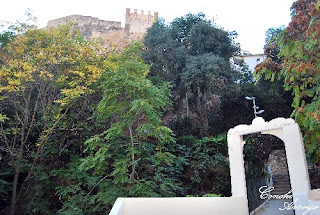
250 18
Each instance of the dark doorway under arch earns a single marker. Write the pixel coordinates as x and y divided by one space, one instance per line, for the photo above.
265 165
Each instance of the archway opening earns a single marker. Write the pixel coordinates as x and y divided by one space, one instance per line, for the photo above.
266 170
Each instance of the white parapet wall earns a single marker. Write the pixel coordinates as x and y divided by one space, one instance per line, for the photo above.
181 206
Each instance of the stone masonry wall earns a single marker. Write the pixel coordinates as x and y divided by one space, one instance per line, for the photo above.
110 32
278 162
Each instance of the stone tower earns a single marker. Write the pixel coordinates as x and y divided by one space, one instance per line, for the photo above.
136 24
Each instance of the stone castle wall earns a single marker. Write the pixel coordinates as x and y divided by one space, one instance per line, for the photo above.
110 32
278 162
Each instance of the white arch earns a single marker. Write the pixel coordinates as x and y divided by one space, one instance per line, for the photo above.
289 132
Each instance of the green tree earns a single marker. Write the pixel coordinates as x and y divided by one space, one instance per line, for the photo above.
43 73
132 101
204 75
299 49
193 54
270 96
206 169
130 156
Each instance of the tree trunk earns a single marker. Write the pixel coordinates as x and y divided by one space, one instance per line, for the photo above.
133 167
14 190
202 109
187 104
16 174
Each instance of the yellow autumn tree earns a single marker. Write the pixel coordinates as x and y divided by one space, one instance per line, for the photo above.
43 73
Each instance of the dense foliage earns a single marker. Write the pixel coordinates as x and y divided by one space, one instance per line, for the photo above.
129 157
42 74
194 54
80 127
295 59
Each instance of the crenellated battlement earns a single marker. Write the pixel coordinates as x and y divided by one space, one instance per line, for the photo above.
141 15
138 22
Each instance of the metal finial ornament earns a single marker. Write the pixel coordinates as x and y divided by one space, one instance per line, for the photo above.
255 107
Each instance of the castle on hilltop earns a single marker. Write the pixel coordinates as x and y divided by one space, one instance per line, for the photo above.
110 32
